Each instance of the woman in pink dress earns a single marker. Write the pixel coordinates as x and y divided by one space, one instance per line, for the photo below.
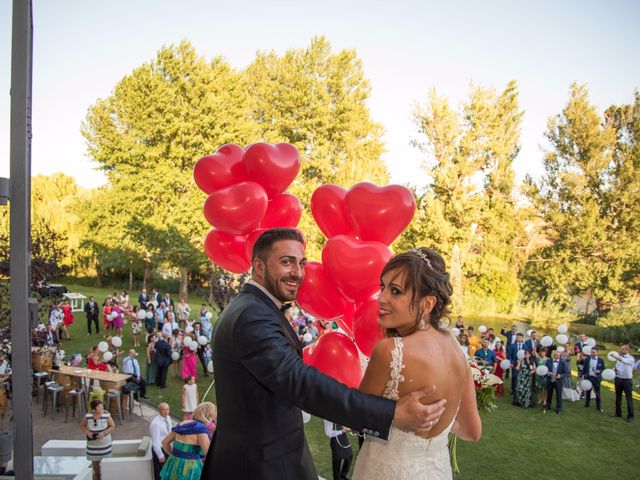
189 362
118 319
67 318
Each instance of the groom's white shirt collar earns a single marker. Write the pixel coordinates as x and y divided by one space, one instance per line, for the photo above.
277 302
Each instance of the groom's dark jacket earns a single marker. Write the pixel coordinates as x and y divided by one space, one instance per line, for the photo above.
261 385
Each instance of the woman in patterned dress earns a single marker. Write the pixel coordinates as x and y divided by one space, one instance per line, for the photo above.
187 444
524 386
541 380
97 427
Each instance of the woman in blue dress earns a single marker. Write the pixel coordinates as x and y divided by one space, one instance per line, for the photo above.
187 445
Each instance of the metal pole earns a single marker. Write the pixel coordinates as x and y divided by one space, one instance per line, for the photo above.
20 235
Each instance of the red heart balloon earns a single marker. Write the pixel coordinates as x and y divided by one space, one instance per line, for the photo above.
227 251
283 210
355 265
237 209
328 209
272 166
223 168
336 355
366 330
318 294
379 213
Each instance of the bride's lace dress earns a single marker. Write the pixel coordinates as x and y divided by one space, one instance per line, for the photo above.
404 456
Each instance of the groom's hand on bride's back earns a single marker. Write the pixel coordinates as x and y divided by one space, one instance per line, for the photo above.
418 412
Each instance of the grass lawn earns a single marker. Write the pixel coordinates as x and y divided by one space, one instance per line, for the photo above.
516 443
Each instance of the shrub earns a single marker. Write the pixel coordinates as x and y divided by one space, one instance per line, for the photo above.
544 314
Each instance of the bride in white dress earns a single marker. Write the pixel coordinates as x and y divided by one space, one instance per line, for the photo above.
415 293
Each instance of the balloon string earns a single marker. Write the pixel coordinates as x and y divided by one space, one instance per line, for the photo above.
208 389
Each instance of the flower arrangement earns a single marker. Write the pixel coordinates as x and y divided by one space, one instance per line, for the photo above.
484 382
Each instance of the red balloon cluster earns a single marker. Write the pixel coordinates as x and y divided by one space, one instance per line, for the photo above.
245 198
359 224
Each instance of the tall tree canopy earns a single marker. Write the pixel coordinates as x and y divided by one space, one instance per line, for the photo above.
470 205
589 199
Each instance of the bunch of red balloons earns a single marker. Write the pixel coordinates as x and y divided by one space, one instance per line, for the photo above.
359 224
245 189
246 196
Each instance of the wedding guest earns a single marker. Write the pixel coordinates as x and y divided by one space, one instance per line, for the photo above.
197 332
190 397
593 367
557 370
91 310
532 344
511 335
499 371
162 359
67 318
464 343
117 322
568 391
189 362
487 355
341 451
94 362
124 297
524 387
459 323
155 297
115 353
512 355
152 368
143 298
56 318
473 340
136 326
542 380
580 344
130 366
624 381
159 428
183 311
51 337
187 444
106 321
97 427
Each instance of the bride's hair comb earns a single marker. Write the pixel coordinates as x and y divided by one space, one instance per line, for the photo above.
423 256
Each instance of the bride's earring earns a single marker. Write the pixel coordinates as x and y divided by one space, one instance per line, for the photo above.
422 324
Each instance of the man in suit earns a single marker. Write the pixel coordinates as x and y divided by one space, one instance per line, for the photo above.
593 367
533 345
130 366
93 314
341 451
512 355
557 370
168 301
582 343
143 298
262 383
162 359
511 335
197 331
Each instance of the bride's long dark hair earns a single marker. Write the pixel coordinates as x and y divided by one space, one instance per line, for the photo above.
425 275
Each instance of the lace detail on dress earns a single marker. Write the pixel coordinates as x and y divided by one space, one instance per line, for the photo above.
396 377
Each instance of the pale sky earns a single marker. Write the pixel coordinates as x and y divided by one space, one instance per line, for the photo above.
82 48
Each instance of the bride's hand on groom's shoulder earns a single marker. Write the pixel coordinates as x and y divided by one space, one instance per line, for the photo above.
414 413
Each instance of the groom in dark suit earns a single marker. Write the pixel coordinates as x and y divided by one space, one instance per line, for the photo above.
262 383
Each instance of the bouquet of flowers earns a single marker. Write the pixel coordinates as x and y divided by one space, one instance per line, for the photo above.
484 381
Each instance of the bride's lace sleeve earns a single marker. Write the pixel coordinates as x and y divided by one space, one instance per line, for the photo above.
395 377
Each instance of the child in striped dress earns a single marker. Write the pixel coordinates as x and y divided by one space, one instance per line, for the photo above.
97 426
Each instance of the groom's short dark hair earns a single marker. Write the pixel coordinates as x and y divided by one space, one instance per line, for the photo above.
262 247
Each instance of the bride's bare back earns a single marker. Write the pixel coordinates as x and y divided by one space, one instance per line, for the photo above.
430 357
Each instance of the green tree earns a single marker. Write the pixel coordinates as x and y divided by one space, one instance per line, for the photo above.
589 198
146 137
317 100
470 206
